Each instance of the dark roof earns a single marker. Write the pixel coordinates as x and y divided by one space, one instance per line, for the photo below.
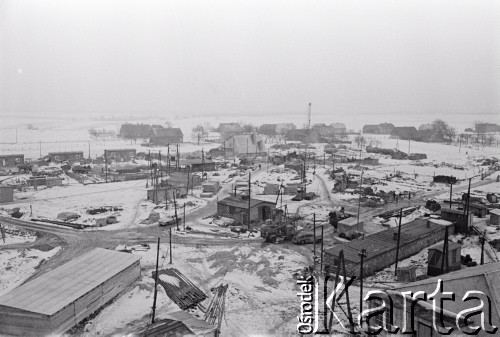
120 150
68 152
383 241
168 132
194 161
242 203
11 155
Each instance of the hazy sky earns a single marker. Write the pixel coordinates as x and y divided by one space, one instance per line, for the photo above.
185 57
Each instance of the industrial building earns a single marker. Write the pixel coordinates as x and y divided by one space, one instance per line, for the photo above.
245 144
56 301
11 160
381 247
120 154
435 258
236 207
66 156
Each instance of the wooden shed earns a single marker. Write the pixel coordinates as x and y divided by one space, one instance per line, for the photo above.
435 261
495 217
56 301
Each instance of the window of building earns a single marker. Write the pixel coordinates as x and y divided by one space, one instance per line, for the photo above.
131 154
77 156
18 160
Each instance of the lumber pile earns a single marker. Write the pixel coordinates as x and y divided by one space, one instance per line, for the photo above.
215 310
181 290
391 214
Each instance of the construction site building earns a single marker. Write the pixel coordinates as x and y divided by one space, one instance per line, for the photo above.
61 298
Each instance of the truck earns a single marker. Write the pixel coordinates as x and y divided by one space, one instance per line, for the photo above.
304 237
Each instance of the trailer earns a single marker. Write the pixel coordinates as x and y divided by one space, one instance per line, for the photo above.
350 228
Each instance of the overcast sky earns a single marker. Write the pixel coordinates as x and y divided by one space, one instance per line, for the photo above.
76 57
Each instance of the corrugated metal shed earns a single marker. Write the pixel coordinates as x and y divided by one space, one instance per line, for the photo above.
60 287
384 241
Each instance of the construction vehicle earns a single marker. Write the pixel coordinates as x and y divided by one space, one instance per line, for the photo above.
279 230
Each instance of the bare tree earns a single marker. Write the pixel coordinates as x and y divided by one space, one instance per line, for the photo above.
199 132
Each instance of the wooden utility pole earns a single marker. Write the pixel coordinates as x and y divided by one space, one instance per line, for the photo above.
161 171
224 150
362 256
249 198
106 165
321 266
168 157
187 183
451 189
156 281
202 163
466 209
175 210
444 253
184 217
170 243
314 238
399 238
150 169
482 239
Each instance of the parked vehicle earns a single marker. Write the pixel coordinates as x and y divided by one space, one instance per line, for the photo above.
305 237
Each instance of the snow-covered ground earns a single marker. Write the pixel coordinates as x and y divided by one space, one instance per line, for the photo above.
18 265
261 299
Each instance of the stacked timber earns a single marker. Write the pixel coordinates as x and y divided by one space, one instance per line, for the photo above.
180 289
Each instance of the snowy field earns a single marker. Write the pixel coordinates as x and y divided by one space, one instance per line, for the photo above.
19 265
261 299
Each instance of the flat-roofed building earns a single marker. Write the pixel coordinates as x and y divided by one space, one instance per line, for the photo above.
61 298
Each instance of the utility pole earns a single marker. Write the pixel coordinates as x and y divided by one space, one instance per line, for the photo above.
89 150
150 169
482 239
202 163
444 255
321 266
359 199
362 255
161 171
40 149
175 208
399 238
249 198
168 158
314 238
184 217
466 209
106 165
224 150
409 140
156 281
170 243
451 189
